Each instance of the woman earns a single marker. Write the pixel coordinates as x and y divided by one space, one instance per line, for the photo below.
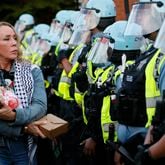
18 125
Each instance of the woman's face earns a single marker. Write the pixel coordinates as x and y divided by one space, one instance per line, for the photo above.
8 43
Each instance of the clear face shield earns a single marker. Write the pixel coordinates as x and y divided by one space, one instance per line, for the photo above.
160 40
34 45
87 19
20 28
56 28
67 32
44 46
145 15
79 37
99 53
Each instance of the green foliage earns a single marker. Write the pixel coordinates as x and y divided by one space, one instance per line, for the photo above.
42 10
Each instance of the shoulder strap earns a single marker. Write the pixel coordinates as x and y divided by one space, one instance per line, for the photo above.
146 54
156 70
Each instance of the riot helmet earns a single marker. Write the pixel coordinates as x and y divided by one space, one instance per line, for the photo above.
147 14
61 25
86 20
123 44
24 23
98 55
41 28
122 41
28 19
61 18
64 16
107 9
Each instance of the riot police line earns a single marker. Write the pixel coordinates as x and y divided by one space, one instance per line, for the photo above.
99 71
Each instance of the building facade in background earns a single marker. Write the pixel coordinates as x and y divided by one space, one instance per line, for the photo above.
123 8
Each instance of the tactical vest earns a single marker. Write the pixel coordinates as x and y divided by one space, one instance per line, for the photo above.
105 110
103 105
84 101
131 106
79 82
73 90
152 84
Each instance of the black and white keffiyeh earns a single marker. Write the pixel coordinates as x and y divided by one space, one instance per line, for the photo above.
23 82
23 86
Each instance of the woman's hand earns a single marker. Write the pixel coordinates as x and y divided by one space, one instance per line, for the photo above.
33 128
6 113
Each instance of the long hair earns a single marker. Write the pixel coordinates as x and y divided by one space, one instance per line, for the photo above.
2 23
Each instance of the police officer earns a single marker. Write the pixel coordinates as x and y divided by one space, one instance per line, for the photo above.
94 134
107 17
33 45
153 148
97 101
135 97
69 110
73 41
25 22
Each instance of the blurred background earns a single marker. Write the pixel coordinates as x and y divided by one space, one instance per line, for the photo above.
45 10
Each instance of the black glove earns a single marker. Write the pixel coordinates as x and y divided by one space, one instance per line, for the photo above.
82 57
143 157
61 55
81 80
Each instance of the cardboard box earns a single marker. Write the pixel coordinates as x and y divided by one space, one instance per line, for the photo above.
54 127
